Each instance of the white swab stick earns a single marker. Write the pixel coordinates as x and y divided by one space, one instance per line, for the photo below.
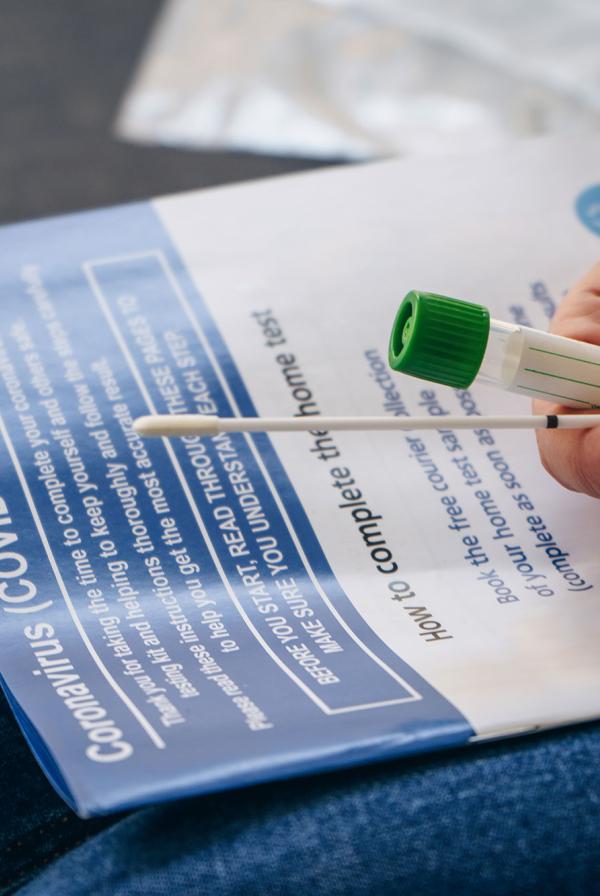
208 425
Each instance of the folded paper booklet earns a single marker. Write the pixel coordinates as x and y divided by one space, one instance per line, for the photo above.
179 616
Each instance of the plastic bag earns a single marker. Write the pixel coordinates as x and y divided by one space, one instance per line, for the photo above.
363 78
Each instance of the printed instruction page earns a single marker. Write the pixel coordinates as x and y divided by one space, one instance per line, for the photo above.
188 614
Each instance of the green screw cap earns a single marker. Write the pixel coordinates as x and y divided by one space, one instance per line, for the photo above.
439 339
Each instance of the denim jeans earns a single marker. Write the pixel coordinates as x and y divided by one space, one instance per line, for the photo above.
35 824
521 816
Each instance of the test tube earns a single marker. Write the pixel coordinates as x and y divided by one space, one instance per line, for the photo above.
457 343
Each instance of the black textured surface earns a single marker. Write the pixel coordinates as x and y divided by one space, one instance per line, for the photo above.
64 65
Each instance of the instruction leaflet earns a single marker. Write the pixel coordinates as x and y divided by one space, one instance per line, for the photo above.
186 615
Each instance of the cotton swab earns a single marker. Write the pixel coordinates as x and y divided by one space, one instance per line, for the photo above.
167 425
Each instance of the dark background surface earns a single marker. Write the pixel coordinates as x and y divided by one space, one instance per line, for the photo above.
64 65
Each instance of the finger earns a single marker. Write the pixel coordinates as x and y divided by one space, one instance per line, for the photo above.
578 315
573 456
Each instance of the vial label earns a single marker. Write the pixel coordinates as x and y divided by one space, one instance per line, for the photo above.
558 369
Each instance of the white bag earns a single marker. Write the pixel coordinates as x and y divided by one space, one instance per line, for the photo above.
363 78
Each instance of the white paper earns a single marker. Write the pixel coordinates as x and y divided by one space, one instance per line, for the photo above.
329 257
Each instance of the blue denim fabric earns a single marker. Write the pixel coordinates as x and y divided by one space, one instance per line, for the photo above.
35 825
517 817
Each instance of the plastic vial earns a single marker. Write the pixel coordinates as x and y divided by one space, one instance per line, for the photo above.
456 343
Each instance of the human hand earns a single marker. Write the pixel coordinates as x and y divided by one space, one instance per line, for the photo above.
572 456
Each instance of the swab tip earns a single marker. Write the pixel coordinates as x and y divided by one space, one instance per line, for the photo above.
146 425
167 425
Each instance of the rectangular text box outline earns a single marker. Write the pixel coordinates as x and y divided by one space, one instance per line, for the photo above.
173 282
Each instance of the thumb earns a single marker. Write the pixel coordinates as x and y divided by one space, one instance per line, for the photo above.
573 456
